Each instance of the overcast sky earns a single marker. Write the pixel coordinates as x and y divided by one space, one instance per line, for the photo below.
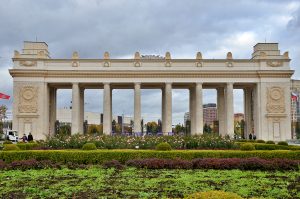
123 27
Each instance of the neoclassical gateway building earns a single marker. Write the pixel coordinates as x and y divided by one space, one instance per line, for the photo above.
265 79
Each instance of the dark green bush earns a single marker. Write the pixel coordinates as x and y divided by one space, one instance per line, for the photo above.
294 148
270 142
7 142
10 147
100 156
27 146
260 141
283 143
247 147
164 146
259 146
89 146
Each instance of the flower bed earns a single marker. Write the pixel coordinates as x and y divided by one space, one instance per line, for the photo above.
99 156
145 142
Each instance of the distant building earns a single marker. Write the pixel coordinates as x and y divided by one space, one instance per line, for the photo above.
210 113
186 117
64 115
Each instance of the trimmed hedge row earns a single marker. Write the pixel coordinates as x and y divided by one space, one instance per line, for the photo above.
100 156
217 163
262 146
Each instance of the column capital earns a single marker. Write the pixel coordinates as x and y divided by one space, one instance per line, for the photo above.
137 83
75 83
106 83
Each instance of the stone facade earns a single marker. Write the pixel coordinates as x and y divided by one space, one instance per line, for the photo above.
265 78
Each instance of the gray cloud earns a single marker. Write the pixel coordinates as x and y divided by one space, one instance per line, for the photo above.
151 27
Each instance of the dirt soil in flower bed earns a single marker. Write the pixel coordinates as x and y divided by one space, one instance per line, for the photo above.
96 182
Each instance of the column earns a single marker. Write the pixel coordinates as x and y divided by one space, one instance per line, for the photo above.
75 109
137 108
52 110
257 112
81 115
229 130
221 110
248 112
162 110
167 120
107 109
196 109
192 110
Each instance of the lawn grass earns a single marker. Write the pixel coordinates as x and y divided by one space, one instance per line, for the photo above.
96 182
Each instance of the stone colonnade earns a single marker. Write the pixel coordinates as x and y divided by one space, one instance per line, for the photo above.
225 107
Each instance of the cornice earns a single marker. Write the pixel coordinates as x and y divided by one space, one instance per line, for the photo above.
151 74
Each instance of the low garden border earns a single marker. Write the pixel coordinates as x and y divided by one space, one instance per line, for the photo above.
100 156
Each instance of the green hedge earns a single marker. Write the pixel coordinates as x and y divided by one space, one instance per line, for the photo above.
27 146
261 146
100 156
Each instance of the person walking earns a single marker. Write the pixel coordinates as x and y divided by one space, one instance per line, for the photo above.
30 137
24 138
250 136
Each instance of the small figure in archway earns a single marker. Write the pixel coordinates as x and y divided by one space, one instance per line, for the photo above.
24 138
250 136
30 137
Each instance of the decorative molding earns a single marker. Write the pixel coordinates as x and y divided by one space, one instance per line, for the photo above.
28 63
229 64
275 100
75 63
199 64
275 63
28 99
151 74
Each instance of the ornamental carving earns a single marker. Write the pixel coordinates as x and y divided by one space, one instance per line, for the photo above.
275 63
28 63
275 97
28 99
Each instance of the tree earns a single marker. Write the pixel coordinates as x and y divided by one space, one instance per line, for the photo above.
3 110
179 129
206 128
152 127
93 129
298 130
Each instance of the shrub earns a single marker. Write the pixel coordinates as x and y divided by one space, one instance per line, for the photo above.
27 146
89 146
247 147
100 156
214 195
260 141
270 147
164 146
283 143
7 142
112 164
10 147
270 142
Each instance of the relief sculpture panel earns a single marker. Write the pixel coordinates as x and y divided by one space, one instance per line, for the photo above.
28 99
275 100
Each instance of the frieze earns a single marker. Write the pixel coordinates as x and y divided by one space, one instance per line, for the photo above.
28 63
275 63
